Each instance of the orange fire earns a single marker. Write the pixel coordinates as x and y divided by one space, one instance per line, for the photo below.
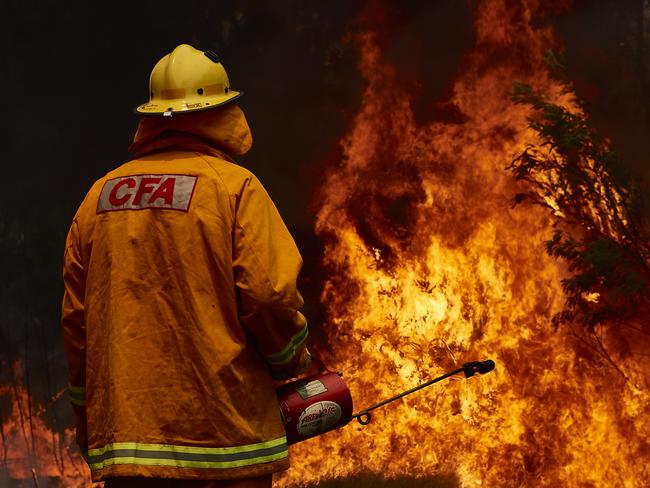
430 267
33 452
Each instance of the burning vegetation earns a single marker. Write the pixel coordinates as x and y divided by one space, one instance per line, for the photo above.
429 265
33 453
598 210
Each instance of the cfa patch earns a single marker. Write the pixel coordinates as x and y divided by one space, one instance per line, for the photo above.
137 192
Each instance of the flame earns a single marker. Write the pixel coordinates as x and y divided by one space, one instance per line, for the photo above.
430 267
32 451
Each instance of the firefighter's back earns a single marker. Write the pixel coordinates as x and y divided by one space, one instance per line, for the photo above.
174 388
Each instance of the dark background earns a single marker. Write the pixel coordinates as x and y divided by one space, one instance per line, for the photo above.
73 71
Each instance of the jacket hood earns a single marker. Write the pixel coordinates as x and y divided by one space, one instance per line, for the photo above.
224 128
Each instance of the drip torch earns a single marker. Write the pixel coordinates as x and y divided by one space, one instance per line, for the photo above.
322 402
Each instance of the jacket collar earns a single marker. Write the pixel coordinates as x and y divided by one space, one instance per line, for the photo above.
224 130
178 141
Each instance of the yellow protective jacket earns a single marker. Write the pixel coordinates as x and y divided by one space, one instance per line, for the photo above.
180 293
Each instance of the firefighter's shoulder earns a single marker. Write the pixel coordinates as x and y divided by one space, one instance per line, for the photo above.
234 177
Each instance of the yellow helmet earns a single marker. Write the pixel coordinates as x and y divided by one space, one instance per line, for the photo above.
187 80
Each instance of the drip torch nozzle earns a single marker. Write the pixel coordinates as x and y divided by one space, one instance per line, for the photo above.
482 367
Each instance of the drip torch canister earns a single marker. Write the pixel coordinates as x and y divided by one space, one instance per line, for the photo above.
313 405
322 402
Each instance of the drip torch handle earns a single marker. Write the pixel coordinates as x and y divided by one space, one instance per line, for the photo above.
470 369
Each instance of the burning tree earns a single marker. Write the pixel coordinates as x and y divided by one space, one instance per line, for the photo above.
598 206
600 228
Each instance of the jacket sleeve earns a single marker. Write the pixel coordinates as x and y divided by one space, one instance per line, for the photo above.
266 266
74 329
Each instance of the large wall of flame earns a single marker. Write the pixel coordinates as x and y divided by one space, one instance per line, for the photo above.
430 266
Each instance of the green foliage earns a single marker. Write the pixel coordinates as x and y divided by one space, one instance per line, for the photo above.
574 172
602 266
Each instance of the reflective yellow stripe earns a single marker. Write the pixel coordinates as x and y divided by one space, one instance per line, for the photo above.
178 463
187 449
187 456
289 351
77 395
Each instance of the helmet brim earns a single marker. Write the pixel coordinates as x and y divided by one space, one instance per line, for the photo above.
179 107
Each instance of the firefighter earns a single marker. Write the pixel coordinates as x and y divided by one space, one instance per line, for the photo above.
180 303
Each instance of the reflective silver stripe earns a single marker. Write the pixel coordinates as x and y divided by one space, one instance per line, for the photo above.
187 456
